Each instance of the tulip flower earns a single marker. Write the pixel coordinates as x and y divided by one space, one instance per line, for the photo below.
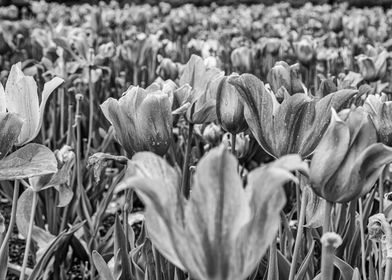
294 126
199 102
373 68
141 119
167 69
21 97
305 50
229 108
241 59
283 75
224 229
348 160
381 114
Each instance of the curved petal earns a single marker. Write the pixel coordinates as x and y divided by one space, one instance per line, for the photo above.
121 123
22 98
3 106
266 199
10 127
216 212
259 105
157 184
328 156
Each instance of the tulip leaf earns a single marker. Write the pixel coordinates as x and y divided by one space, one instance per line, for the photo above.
23 214
121 246
346 271
29 161
59 241
10 127
356 274
305 264
314 209
101 266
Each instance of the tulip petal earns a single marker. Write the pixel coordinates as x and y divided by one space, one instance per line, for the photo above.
290 123
259 106
22 98
112 111
216 212
321 119
157 184
3 106
49 87
369 166
267 199
328 155
10 127
154 123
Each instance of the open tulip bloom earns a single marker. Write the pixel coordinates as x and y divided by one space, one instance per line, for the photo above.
199 102
142 119
224 229
348 160
381 114
21 98
293 127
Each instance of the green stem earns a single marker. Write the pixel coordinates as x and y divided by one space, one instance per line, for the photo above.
380 268
185 170
298 239
135 74
327 216
29 235
363 253
272 262
381 192
233 142
91 103
13 217
388 269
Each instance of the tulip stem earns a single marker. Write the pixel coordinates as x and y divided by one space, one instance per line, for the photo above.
327 216
363 253
12 219
29 235
91 103
298 238
381 192
185 170
233 140
272 262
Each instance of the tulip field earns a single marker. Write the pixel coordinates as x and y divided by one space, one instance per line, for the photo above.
238 142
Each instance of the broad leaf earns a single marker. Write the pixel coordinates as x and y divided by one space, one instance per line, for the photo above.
10 127
29 161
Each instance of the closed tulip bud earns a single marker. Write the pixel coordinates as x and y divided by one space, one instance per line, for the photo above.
283 75
167 69
141 119
381 114
373 68
348 159
305 50
242 146
229 108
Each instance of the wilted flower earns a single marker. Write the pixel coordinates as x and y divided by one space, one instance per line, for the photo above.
229 108
283 75
199 102
294 126
348 161
373 68
224 229
305 50
142 119
381 114
21 97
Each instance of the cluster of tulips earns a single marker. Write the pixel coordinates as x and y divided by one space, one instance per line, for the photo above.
211 143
